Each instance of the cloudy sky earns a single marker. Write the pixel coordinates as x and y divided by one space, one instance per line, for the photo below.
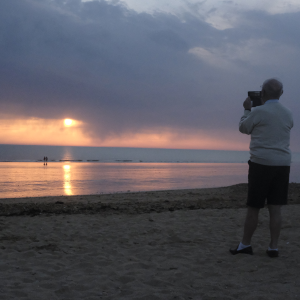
133 73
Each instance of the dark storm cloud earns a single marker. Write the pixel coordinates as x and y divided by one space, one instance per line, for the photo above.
170 39
118 70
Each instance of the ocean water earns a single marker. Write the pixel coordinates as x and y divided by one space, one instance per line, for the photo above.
78 178
33 179
28 153
33 153
88 170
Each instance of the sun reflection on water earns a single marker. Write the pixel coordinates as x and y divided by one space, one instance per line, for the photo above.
67 180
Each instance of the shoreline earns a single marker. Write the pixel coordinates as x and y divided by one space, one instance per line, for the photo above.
136 202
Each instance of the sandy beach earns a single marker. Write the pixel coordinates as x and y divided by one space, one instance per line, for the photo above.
148 245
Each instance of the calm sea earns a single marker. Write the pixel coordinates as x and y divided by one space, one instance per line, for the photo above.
26 153
88 170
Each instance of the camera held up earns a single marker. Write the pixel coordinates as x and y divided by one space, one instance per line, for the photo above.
255 97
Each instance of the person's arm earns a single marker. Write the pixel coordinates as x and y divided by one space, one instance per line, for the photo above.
247 120
246 123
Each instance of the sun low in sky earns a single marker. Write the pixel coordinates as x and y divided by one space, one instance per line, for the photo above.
68 122
71 132
38 131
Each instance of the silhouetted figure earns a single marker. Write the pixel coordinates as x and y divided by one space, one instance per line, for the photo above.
46 160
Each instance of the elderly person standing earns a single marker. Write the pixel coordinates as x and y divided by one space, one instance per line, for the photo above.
269 166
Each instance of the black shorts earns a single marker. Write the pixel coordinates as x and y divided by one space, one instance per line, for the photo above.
267 182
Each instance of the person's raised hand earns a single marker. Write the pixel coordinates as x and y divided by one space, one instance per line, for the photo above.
247 103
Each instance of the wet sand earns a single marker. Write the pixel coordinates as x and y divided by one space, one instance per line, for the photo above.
150 245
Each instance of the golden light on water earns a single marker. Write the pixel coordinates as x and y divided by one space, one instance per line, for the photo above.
68 122
67 180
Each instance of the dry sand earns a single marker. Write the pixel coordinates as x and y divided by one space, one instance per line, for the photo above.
164 245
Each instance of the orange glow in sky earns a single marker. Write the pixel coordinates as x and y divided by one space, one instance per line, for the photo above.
42 132
70 132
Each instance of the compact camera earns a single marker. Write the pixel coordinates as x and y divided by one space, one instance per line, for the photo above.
255 98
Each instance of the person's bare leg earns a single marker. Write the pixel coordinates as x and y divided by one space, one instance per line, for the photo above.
275 224
250 224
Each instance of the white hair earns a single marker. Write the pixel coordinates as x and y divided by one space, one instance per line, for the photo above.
273 88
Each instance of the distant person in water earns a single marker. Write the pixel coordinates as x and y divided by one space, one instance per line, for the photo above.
44 160
269 166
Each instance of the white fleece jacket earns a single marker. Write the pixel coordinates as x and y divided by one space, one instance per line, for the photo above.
269 125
